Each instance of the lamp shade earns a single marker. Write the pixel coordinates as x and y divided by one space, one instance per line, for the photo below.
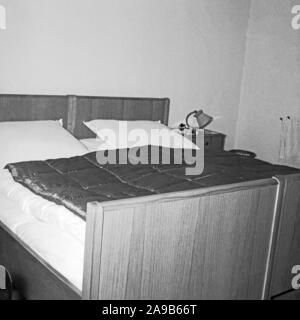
202 118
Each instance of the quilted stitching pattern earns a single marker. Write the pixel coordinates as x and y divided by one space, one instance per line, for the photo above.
73 182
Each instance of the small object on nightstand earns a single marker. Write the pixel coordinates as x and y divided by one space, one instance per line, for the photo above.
182 127
243 153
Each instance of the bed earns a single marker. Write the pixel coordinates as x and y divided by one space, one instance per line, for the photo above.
229 241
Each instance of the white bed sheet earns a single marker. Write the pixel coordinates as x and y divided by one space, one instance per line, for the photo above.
42 209
59 249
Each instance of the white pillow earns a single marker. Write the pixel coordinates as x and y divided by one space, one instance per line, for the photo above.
36 140
96 144
129 134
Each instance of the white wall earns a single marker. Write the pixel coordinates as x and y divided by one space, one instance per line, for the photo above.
189 50
271 82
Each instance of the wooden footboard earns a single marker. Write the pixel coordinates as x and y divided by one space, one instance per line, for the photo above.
286 246
212 243
232 242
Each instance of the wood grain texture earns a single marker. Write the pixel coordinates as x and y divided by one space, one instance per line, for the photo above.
72 101
287 244
33 107
31 275
76 109
200 247
94 230
118 108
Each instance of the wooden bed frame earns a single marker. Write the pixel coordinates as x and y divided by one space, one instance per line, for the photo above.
237 241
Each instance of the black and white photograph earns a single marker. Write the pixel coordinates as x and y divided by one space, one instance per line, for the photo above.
149 153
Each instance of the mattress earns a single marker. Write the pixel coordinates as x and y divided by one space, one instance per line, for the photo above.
59 240
40 208
60 250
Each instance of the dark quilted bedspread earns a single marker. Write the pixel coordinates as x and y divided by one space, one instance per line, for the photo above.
73 182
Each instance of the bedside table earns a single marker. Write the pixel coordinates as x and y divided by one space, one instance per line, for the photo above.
212 139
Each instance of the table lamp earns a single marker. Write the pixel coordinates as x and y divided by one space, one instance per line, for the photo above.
202 118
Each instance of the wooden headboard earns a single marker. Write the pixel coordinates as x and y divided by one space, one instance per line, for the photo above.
87 108
33 107
76 109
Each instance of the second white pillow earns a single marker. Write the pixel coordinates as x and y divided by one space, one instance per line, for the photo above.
129 134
